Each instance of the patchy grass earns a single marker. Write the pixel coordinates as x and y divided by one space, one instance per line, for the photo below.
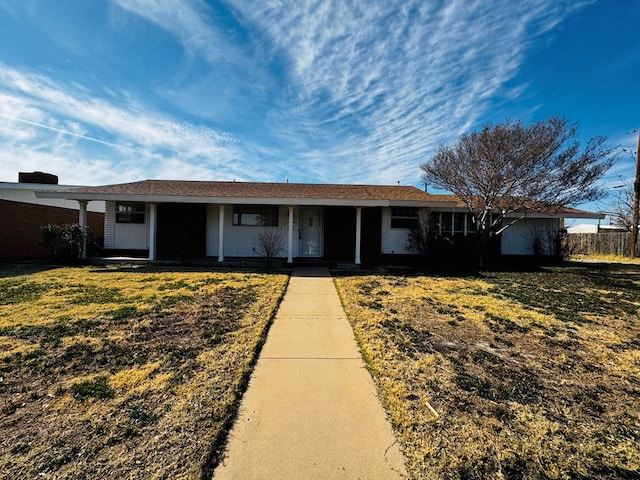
532 375
133 373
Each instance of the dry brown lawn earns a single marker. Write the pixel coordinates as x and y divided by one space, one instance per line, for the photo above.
530 375
124 373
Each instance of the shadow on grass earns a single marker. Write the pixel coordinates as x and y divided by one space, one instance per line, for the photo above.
185 269
574 292
16 269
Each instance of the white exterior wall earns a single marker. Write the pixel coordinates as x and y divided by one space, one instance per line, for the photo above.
394 240
239 239
398 240
134 236
109 223
518 238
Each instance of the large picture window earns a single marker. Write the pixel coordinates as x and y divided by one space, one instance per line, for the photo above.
129 212
447 223
256 215
404 217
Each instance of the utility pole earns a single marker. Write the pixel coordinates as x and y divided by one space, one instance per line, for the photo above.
636 200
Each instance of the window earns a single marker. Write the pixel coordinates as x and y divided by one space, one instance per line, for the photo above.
404 217
435 228
471 225
447 223
458 222
444 221
261 215
127 212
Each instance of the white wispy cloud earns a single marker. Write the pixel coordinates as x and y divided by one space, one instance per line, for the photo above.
191 22
359 91
44 123
372 86
408 75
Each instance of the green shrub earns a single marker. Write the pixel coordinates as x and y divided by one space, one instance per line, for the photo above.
62 241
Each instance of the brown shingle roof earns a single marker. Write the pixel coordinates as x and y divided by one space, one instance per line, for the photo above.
259 190
555 210
289 193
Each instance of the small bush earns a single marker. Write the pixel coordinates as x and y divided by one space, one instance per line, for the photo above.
269 244
62 241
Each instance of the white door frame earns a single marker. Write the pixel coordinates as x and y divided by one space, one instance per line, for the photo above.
311 232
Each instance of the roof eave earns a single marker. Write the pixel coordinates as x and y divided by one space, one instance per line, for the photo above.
154 198
588 215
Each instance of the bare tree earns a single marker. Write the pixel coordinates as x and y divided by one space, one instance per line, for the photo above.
269 244
623 209
516 168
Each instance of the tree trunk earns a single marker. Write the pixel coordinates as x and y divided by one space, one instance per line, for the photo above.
482 240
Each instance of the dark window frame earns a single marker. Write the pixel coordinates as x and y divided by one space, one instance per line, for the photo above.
131 212
451 223
404 217
256 216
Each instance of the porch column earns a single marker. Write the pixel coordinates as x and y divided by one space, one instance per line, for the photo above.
290 237
153 217
221 235
358 233
82 221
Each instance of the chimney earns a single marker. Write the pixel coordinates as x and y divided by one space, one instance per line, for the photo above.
37 177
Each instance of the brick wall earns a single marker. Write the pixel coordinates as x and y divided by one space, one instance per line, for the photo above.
20 224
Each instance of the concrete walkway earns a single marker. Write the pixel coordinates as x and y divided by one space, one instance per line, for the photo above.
311 410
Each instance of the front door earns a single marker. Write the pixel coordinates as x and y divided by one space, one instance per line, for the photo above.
311 232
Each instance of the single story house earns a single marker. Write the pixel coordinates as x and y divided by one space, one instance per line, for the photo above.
336 223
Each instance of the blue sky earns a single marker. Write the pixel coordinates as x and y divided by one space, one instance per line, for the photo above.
109 91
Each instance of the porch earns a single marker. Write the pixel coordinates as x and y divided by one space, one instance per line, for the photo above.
181 231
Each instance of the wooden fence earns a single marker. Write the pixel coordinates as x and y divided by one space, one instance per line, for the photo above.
603 243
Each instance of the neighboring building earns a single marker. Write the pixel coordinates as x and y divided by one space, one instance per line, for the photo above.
337 223
595 228
22 214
